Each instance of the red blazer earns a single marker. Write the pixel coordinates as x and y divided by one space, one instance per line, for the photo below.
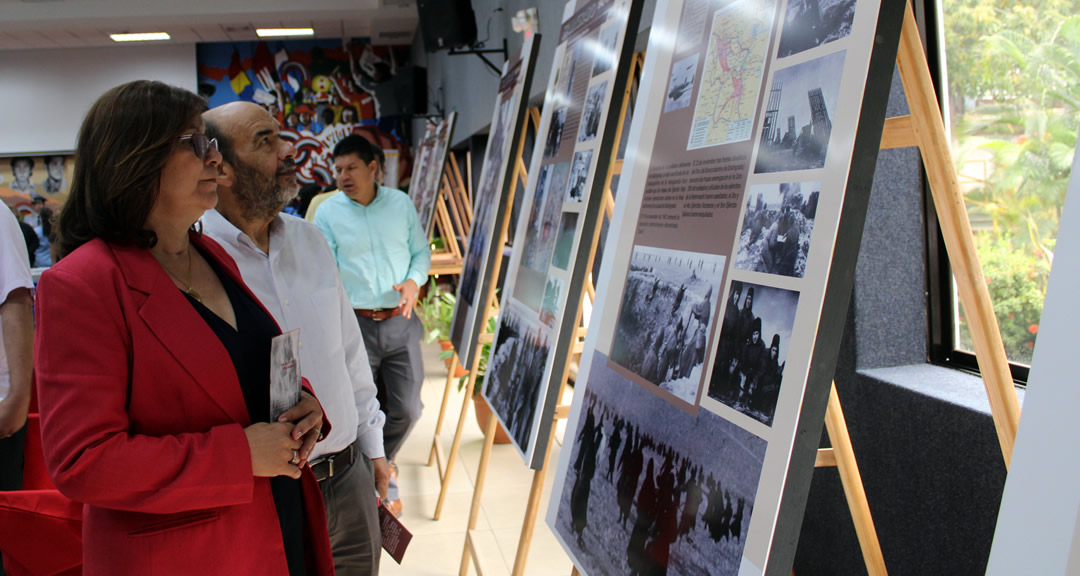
142 419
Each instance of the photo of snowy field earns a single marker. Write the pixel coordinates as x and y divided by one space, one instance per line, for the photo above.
777 226
665 318
513 383
651 489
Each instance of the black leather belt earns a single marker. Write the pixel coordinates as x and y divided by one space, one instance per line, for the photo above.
328 466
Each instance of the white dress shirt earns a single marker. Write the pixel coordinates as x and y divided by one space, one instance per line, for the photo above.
298 283
15 274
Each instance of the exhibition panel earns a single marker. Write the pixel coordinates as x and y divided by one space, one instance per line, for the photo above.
540 307
710 352
490 201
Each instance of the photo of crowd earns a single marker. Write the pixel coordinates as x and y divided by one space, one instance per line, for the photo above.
651 489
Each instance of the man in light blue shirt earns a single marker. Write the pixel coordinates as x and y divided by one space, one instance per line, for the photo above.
383 257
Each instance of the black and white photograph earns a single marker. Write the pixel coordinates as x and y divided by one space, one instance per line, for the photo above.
554 135
579 176
650 489
552 291
664 322
565 241
540 234
515 374
681 85
812 23
797 122
776 230
285 381
593 112
543 216
604 54
754 340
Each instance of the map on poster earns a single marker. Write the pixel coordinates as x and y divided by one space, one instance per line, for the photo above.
560 212
734 65
689 444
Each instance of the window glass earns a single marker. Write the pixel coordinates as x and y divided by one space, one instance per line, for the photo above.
1013 109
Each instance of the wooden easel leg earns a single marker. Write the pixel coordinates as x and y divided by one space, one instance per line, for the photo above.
929 131
455 447
442 408
478 492
528 527
853 486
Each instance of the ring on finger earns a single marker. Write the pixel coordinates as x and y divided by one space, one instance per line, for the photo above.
295 457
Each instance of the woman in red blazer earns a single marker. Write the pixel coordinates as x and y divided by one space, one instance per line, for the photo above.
152 362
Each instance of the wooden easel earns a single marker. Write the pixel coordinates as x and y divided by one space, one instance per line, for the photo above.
488 306
561 374
925 128
453 216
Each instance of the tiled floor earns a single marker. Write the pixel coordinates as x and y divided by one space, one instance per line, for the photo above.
437 546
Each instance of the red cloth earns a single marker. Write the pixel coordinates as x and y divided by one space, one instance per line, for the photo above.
40 533
35 476
142 418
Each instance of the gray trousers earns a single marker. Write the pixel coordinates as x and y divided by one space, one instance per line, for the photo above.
393 347
352 516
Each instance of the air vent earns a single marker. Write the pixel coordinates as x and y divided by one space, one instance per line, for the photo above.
397 3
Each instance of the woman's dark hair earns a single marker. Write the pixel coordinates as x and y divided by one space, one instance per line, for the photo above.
123 145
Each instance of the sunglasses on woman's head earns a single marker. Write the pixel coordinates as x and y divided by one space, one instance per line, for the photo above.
201 144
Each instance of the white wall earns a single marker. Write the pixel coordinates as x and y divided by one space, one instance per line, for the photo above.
45 93
465 84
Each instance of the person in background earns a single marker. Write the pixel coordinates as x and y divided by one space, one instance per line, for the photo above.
313 204
383 257
286 262
44 233
152 361
16 351
30 240
37 202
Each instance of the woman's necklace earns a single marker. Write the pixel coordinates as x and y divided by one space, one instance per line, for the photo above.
188 290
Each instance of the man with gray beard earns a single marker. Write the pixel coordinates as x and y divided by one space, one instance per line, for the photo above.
288 265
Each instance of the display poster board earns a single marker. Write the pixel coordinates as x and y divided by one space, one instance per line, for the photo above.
710 353
431 159
1038 527
490 204
560 211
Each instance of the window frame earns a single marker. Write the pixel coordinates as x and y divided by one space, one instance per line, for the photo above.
941 342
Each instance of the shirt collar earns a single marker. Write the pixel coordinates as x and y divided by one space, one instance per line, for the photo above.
378 196
217 226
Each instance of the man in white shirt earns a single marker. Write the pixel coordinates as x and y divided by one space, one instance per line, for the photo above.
16 349
288 265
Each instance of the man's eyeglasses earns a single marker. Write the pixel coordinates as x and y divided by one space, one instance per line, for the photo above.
201 144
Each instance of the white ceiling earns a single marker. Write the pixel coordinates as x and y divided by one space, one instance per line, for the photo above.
42 24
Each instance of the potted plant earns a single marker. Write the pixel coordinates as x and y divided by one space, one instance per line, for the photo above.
436 311
480 405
